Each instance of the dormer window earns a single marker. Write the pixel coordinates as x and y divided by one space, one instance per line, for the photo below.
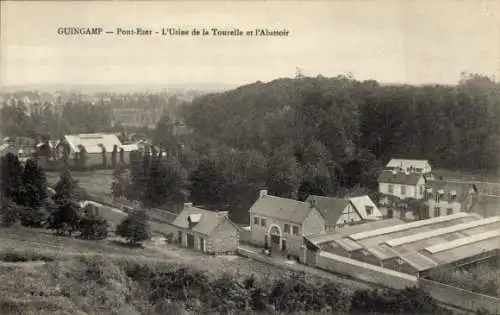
369 210
193 219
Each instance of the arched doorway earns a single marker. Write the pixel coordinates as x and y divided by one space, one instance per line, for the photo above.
275 237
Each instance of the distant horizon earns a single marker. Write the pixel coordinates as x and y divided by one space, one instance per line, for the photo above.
219 84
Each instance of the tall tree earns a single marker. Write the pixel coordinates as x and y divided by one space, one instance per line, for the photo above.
284 174
11 176
208 185
35 195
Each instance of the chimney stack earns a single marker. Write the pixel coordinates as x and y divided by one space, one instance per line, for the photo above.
312 203
262 193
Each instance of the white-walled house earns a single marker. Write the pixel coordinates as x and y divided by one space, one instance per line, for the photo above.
447 198
411 166
282 223
402 184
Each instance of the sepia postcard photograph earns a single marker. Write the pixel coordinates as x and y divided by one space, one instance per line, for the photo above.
250 157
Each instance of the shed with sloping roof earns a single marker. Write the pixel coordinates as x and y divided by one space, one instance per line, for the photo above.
207 231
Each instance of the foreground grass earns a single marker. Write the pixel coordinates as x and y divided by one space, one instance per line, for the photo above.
96 284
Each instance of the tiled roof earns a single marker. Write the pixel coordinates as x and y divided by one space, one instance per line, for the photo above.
207 220
399 178
330 207
281 208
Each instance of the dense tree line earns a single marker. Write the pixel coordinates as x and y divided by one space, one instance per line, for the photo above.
16 120
152 179
330 136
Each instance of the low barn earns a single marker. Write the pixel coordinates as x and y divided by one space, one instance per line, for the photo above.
412 247
206 231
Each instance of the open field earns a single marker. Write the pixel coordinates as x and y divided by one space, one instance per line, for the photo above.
94 182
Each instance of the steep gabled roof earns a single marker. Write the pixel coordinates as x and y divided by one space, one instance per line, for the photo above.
360 203
330 207
207 221
281 208
391 177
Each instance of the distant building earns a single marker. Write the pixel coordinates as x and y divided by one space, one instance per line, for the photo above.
410 166
282 223
206 231
446 198
96 145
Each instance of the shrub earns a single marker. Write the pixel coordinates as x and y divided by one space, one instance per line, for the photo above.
10 213
94 228
135 228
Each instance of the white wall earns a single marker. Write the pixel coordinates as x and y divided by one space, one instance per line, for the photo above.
412 191
349 215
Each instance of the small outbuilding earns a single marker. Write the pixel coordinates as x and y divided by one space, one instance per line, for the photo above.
206 231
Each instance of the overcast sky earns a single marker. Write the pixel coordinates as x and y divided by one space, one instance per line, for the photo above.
390 41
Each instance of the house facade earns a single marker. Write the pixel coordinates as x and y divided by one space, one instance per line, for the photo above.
282 223
205 231
402 184
447 198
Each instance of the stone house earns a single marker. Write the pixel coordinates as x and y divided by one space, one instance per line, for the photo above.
446 198
282 223
205 231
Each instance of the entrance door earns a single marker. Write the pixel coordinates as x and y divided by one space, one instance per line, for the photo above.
190 241
202 244
275 238
283 245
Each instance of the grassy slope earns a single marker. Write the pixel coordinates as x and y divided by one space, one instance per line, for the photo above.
63 286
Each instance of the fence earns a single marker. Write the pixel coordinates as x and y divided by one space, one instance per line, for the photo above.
364 271
458 297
